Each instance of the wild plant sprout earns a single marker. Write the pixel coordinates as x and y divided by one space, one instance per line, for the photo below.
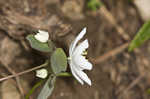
56 65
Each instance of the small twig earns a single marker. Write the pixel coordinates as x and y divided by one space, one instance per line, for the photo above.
138 79
103 10
25 45
17 78
20 86
113 21
110 54
24 72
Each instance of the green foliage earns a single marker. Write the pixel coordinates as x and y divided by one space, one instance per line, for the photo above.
33 89
148 91
58 61
94 4
142 36
35 44
64 74
47 88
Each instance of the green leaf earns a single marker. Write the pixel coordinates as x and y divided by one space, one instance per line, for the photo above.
142 36
148 91
58 61
33 89
47 88
94 4
35 44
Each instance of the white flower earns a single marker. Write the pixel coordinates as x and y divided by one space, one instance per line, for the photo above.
42 36
77 61
41 73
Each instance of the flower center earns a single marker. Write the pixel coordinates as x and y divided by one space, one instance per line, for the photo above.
84 54
69 58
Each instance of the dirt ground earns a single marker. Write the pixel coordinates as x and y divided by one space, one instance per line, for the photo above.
116 74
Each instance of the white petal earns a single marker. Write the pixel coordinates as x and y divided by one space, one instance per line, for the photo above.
82 75
83 63
42 32
42 36
74 43
81 47
42 73
80 60
73 70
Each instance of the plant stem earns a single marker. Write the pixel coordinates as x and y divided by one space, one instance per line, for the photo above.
65 74
24 72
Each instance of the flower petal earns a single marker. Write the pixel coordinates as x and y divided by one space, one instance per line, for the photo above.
73 70
74 43
81 47
42 73
82 75
82 62
42 36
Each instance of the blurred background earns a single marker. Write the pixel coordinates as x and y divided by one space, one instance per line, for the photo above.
111 25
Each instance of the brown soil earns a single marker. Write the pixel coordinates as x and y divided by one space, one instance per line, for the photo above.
64 19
